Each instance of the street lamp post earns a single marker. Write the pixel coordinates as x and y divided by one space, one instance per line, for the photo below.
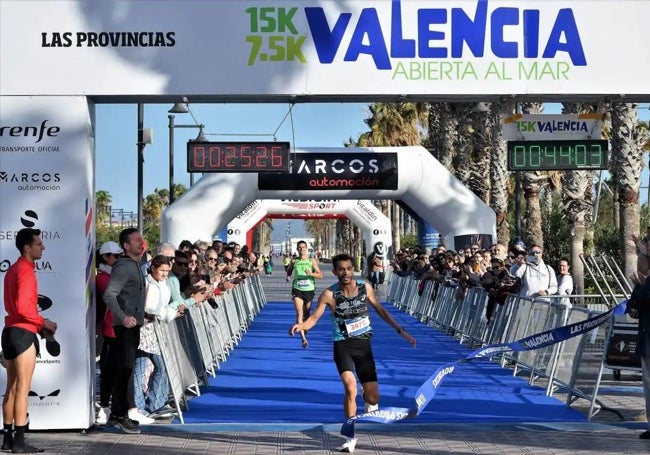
199 138
142 141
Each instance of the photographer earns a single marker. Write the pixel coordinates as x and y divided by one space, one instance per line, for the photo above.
498 282
537 278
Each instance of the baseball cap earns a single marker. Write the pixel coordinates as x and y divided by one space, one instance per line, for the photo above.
520 245
110 248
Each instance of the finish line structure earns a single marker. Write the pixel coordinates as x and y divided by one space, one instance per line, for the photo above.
59 59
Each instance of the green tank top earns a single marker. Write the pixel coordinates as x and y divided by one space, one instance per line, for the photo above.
301 281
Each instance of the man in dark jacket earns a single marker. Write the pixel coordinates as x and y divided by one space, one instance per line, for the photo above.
639 306
125 296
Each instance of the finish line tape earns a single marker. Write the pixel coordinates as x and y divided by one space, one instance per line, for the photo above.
428 390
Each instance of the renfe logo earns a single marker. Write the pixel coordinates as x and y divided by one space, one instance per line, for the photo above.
434 24
30 131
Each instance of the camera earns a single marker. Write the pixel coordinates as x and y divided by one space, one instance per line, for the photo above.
213 303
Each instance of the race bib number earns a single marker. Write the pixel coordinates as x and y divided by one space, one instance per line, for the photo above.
357 326
303 283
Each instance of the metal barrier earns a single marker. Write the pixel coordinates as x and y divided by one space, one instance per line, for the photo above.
195 345
574 365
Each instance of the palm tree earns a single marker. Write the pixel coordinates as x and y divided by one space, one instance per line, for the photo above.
442 132
153 207
532 183
577 200
394 124
479 147
627 160
499 168
103 201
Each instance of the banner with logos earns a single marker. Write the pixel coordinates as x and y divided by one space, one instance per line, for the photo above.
46 182
326 48
336 170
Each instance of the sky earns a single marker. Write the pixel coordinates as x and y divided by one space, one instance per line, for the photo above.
304 125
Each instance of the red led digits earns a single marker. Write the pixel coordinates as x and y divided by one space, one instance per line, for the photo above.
238 157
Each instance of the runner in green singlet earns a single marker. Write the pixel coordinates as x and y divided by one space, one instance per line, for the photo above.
303 273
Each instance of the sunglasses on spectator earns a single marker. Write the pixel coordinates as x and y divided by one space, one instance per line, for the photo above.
212 259
171 258
182 264
193 262
535 252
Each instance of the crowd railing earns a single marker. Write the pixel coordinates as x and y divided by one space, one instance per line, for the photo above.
574 366
194 346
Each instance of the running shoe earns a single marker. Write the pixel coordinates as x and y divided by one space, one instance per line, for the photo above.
102 415
348 446
137 416
127 426
367 407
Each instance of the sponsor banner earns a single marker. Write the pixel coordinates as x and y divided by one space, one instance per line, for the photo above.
534 127
46 182
322 171
319 207
276 47
428 236
251 212
428 390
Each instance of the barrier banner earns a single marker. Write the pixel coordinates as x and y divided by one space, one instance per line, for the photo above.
428 390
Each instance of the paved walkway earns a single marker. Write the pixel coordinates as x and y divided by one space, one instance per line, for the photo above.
605 434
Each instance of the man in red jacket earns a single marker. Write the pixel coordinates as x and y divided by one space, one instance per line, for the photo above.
19 342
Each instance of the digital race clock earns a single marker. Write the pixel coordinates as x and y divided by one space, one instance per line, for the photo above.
557 155
238 157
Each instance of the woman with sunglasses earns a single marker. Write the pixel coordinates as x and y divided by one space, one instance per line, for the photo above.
180 272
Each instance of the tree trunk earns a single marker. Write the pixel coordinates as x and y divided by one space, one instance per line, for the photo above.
499 170
533 217
577 246
629 211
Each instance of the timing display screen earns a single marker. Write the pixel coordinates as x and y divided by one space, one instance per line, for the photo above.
238 157
557 155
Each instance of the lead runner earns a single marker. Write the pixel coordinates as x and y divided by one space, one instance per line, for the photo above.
349 301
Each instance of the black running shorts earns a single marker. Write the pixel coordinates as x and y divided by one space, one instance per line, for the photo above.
15 341
306 296
355 354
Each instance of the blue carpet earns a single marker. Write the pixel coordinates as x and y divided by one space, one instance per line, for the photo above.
269 378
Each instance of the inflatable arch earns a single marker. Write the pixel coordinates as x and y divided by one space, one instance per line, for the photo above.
407 174
375 226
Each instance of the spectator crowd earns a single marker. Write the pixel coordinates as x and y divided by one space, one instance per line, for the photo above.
135 287
498 269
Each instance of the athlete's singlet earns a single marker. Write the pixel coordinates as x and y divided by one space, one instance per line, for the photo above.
351 318
301 281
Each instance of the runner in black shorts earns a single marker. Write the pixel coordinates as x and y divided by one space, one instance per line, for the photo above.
349 301
303 273
20 345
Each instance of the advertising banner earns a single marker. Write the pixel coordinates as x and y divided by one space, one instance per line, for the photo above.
528 127
46 182
336 171
324 48
428 237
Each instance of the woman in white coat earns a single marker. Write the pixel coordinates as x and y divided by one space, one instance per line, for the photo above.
152 390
